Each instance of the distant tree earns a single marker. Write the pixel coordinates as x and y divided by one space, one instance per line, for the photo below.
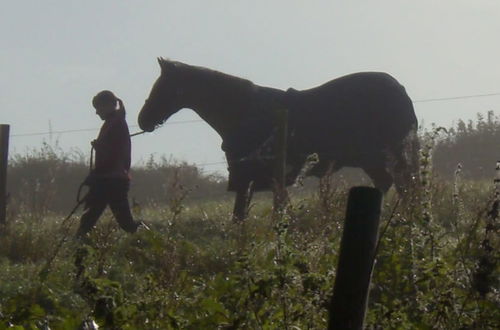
474 145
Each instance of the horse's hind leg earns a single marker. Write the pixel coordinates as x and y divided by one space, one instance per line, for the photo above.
379 175
242 202
402 175
405 169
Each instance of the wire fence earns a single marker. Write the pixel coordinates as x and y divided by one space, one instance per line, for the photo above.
193 121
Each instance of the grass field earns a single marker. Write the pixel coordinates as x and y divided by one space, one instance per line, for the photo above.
437 265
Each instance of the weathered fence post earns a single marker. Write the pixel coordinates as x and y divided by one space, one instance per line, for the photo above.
280 194
4 156
357 252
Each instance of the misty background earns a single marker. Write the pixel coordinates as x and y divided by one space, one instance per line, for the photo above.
56 55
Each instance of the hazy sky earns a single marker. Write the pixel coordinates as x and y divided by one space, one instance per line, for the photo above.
55 55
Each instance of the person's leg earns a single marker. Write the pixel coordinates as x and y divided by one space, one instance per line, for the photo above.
118 202
95 204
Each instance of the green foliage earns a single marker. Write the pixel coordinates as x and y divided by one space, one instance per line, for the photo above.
437 265
197 270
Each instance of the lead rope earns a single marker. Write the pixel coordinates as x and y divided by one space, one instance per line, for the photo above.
44 272
137 133
79 199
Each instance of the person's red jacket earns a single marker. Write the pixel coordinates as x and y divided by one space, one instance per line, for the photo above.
113 147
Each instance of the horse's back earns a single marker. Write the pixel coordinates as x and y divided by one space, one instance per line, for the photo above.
363 105
364 92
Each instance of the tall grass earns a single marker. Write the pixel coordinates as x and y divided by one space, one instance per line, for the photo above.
198 270
437 265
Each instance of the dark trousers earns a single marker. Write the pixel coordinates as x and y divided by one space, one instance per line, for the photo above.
104 192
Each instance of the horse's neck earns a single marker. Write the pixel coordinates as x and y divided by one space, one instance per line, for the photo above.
221 119
217 105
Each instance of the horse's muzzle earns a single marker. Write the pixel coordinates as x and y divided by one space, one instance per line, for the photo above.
146 128
144 124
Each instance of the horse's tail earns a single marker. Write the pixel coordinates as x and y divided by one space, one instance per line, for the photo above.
407 154
413 145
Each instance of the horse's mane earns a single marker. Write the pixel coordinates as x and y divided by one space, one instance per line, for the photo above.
209 76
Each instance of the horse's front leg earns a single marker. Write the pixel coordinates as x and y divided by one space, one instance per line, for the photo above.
242 202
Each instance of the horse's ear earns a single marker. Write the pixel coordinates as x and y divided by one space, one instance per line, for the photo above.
160 62
164 64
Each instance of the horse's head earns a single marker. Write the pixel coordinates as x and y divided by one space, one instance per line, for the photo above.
163 98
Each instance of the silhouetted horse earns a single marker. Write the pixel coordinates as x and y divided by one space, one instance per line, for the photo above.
361 120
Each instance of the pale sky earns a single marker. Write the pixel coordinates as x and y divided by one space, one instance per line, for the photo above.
56 55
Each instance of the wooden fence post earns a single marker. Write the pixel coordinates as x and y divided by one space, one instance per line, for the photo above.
4 157
280 194
357 252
